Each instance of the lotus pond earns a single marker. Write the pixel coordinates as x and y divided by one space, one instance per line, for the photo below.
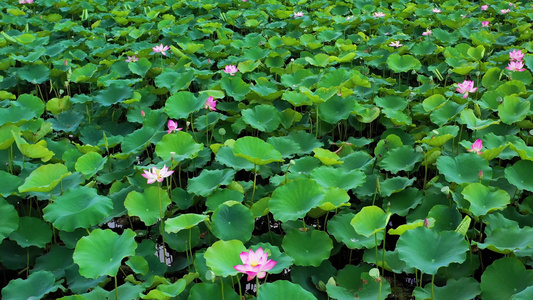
180 149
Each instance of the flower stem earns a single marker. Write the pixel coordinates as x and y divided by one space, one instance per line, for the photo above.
256 286
162 227
255 180
116 288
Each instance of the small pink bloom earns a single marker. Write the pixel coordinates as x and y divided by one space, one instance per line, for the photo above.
485 24
65 62
210 104
426 223
172 126
132 58
427 32
436 10
480 175
511 4
476 147
516 55
395 44
504 11
484 7
143 114
255 264
25 1
378 15
298 14
516 66
466 87
161 49
156 174
231 69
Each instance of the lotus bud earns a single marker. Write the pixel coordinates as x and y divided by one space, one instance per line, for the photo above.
222 131
426 223
480 175
142 113
477 110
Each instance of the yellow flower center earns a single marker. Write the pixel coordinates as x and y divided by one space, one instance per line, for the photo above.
254 263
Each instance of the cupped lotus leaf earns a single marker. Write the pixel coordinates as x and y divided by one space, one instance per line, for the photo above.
226 156
222 195
137 141
370 220
335 78
181 104
428 250
15 114
10 183
392 141
235 87
295 199
308 248
525 294
395 185
263 117
403 63
222 256
44 178
336 109
327 176
445 218
256 151
38 150
36 286
411 225
335 198
179 146
78 208
83 74
507 240
180 241
6 135
201 291
445 112
166 291
113 94
319 60
464 168
512 87
483 200
32 232
307 141
504 278
285 145
101 252
30 102
400 203
403 158
339 226
209 180
185 221
140 67
174 81
10 219
34 74
145 205
433 102
327 157
283 289
368 289
473 123
513 110
233 221
90 163
296 98
138 264
463 288
518 175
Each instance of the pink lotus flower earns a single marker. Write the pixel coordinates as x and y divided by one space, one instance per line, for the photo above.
517 66
436 10
255 264
143 114
156 174
210 104
161 49
466 87
25 1
378 15
485 24
132 58
516 55
504 11
298 14
427 32
231 69
484 7
172 126
395 44
476 147
511 4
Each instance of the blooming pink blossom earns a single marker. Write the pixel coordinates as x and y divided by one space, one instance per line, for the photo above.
161 49
476 147
132 58
231 69
298 14
485 24
378 15
484 7
516 55
504 11
516 66
511 4
255 264
427 32
466 87
172 126
436 10
395 44
156 174
25 1
210 103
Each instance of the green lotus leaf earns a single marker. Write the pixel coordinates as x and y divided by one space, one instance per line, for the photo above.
56 261
295 199
433 102
513 110
504 278
339 226
44 179
140 67
491 79
283 289
10 183
472 122
298 78
319 60
464 168
101 252
138 140
181 104
138 264
392 141
174 81
356 283
166 291
201 291
283 261
320 95
508 240
446 112
463 288
222 256
262 117
370 220
179 146
525 294
400 203
90 163
307 142
209 180
403 63
185 221
308 248
78 208
84 74
335 198
446 218
327 157
226 156
395 185
512 88
428 250
6 135
30 102
518 175
10 219
484 200
233 221
399 159
146 205
222 195
327 176
266 89
285 145
113 94
36 286
38 150
336 109
235 87
256 151
336 78
32 232
34 74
